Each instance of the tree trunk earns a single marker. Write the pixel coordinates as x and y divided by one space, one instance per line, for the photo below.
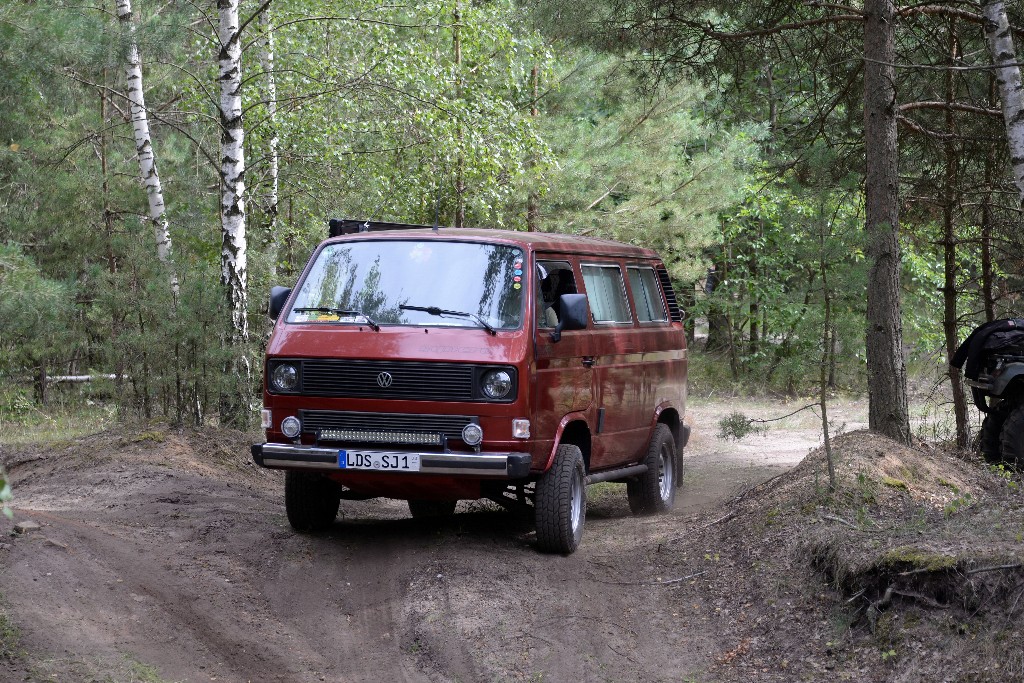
1011 91
144 145
533 201
271 206
827 334
460 160
232 172
232 203
949 242
887 372
987 221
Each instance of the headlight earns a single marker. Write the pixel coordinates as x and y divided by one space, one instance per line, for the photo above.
497 384
285 377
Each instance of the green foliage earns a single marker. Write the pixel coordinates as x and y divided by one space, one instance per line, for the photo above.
35 310
736 425
647 166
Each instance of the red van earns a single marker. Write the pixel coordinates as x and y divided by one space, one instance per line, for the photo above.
437 364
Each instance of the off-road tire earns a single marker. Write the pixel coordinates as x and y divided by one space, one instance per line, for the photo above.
1012 437
311 501
990 436
431 509
654 491
560 502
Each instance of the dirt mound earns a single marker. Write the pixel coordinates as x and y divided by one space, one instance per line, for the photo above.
90 472
912 570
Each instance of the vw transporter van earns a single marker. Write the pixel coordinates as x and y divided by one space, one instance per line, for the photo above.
434 365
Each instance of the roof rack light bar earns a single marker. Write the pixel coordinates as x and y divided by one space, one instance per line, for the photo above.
348 226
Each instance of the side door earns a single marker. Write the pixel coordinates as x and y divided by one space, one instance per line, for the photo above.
622 424
564 381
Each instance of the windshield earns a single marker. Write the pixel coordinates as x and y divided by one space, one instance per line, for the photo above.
358 282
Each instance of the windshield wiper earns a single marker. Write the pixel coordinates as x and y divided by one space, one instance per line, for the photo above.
434 310
327 309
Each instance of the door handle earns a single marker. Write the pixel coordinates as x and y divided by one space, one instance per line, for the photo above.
589 361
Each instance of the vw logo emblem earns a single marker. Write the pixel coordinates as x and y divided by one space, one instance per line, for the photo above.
384 380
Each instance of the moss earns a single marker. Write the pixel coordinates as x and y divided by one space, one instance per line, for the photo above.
895 483
917 558
155 437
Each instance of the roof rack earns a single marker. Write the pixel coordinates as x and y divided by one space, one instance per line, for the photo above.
349 226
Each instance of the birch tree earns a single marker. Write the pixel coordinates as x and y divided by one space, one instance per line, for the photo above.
144 145
1011 91
232 171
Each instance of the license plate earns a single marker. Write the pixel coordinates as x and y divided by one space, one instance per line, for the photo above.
398 462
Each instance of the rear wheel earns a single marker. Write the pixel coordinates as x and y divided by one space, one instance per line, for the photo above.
311 500
1012 437
426 509
654 491
560 502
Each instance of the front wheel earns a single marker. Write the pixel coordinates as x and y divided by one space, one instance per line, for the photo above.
311 501
560 502
654 491
1012 437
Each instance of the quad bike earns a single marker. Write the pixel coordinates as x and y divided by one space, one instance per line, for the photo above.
993 361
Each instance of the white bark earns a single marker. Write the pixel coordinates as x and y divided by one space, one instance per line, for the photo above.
271 205
232 203
1011 92
144 145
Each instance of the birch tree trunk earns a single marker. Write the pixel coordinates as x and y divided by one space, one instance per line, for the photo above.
271 203
1011 91
887 373
234 399
232 171
144 145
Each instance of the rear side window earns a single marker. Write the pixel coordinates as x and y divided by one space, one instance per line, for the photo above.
650 307
607 294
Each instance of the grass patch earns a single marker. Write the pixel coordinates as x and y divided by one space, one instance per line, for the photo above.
54 424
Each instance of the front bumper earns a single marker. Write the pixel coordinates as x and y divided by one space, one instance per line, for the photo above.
478 465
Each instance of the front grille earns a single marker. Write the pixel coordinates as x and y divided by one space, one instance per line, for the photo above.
409 381
450 425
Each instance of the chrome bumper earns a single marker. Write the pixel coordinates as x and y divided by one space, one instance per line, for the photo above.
490 465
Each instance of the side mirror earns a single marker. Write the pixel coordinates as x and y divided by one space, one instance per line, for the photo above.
278 296
573 312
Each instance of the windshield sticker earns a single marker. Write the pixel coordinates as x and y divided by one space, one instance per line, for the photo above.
516 286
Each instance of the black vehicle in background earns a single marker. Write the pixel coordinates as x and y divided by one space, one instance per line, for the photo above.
992 358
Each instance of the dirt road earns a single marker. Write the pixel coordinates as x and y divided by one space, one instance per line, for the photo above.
166 556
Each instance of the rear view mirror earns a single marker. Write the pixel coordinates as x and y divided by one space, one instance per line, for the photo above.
278 297
573 312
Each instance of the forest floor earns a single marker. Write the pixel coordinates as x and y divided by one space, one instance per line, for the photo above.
165 555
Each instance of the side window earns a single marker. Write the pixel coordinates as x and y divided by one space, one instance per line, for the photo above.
554 278
606 294
650 307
